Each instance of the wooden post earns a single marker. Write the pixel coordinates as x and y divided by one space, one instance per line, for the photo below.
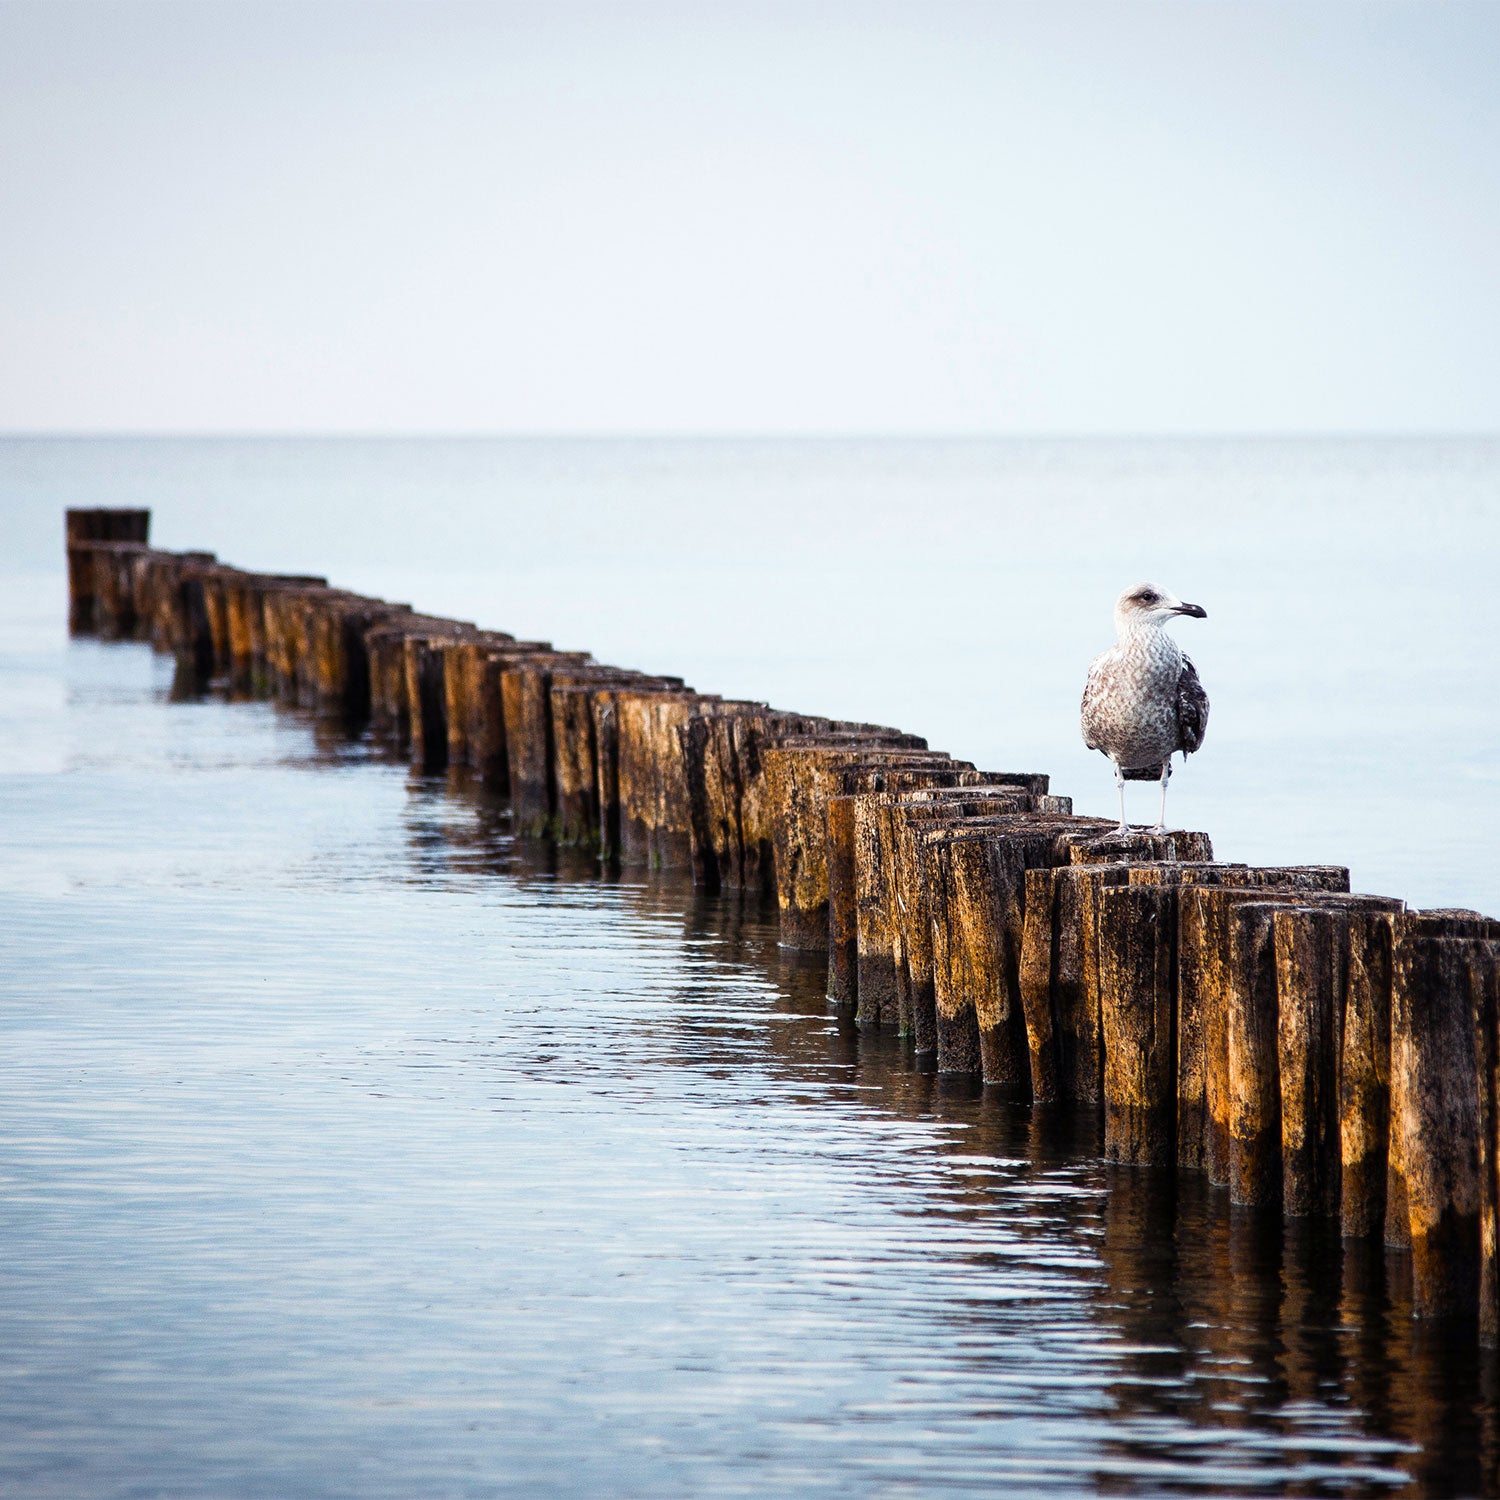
84 526
878 904
113 572
797 783
342 664
1270 999
1485 1009
843 915
195 644
1137 995
1365 1075
1434 1180
427 699
732 833
976 878
1058 972
957 1020
526 698
1254 1115
1203 981
1310 946
385 648
861 966
575 745
918 813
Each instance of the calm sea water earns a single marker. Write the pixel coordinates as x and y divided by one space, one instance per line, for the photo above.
348 1147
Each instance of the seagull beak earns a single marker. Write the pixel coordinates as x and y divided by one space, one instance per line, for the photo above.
1197 611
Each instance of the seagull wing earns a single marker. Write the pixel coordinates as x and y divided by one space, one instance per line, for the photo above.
1192 708
1092 707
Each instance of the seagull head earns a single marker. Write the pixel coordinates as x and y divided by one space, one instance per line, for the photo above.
1150 604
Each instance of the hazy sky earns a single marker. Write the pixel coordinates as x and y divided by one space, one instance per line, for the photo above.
839 217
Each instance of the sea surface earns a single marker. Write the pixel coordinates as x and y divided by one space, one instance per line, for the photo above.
350 1147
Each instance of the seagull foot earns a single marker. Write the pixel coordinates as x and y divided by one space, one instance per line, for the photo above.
1122 832
1161 828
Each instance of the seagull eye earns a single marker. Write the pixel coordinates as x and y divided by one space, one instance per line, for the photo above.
1147 597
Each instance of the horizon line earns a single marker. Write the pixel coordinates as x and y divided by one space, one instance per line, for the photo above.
607 435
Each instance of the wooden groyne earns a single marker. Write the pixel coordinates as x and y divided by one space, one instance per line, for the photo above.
1315 1052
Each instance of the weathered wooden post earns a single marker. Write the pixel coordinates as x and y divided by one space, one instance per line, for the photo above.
1365 1075
1433 1186
195 642
575 747
918 814
474 670
1251 1034
1137 999
861 971
870 945
1485 1010
1311 964
1204 908
1058 969
526 697
85 526
655 804
976 874
732 813
114 565
797 780
427 698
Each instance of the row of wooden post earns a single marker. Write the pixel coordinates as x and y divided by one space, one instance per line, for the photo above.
1332 1054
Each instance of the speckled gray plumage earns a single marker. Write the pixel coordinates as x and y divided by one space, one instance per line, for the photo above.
1143 701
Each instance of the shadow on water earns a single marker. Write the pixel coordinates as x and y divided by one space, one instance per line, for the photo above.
1222 1328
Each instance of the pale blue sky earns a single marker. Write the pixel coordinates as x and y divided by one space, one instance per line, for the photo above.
836 217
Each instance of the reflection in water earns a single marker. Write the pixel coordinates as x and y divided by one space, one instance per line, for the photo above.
352 1147
1242 1350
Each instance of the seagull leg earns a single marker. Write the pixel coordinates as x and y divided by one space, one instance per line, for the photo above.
1124 829
1166 776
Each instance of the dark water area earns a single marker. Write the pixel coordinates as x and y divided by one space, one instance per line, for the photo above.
351 1147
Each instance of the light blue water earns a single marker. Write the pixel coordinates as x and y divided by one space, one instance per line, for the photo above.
349 1148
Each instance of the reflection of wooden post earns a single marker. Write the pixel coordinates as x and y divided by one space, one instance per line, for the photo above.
1137 994
1433 1180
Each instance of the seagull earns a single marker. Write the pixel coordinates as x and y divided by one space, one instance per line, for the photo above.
1143 700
